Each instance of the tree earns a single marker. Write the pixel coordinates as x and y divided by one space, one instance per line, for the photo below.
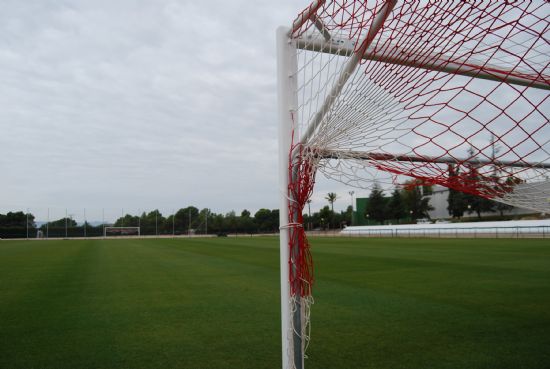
456 201
69 222
187 218
417 205
16 219
127 221
396 207
231 222
267 220
325 214
478 204
14 225
348 215
246 223
331 197
376 207
152 222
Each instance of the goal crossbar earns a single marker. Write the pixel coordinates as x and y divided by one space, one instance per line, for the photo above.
361 155
342 47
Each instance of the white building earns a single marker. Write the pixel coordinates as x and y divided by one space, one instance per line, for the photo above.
438 200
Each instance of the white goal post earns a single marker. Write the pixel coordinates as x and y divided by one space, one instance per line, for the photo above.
109 231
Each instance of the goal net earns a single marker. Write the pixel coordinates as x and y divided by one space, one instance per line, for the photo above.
121 231
451 93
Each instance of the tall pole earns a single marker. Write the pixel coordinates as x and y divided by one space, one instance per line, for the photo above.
189 225
48 225
206 223
103 220
351 194
65 222
173 223
139 221
309 213
156 223
27 223
85 224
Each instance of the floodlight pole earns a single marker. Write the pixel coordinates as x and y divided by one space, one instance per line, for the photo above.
351 193
85 223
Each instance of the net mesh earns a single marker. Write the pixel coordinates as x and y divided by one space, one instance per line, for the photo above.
416 104
451 93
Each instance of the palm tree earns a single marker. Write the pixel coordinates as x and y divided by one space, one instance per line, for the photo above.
331 198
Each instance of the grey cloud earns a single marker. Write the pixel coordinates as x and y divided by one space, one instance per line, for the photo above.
156 103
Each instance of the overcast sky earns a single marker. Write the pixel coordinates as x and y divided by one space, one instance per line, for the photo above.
141 104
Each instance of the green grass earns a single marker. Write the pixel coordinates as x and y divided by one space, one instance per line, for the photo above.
214 303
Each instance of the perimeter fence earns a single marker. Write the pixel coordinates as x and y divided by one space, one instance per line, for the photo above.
452 232
58 222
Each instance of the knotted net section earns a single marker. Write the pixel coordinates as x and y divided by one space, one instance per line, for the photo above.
301 174
447 92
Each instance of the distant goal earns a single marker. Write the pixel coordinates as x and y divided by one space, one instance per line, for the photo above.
121 231
452 93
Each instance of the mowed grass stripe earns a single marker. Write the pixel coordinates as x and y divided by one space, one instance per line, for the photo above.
140 305
436 312
214 303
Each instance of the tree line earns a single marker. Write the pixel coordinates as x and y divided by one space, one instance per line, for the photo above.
184 221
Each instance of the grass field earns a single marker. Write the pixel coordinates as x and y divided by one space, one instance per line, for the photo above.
214 303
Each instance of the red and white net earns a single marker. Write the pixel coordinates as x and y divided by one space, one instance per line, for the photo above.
447 92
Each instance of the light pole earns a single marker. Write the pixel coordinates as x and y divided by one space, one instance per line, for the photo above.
66 220
309 213
351 195
368 220
411 215
206 221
